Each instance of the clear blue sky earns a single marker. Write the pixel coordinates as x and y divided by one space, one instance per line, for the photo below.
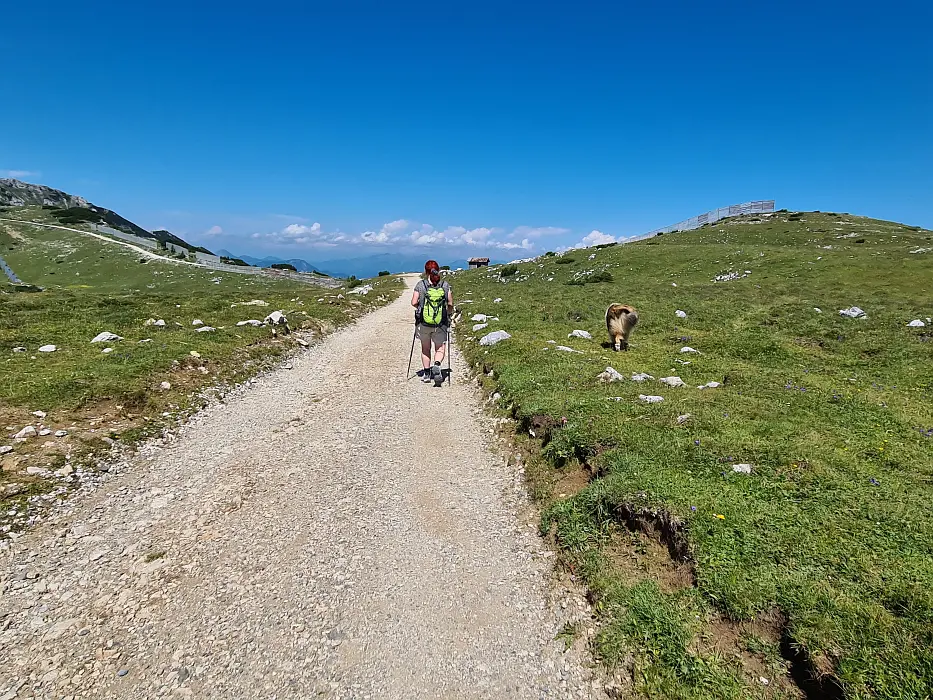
296 128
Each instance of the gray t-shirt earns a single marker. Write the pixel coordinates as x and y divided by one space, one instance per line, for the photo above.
422 287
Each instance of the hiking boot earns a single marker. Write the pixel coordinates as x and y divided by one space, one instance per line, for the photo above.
426 376
438 375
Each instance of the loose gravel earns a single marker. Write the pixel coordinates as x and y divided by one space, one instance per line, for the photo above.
335 531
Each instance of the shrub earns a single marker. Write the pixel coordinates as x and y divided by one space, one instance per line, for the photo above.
234 261
383 273
550 254
284 266
566 260
352 282
445 267
605 245
508 270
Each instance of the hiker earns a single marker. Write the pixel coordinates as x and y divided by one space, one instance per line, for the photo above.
434 303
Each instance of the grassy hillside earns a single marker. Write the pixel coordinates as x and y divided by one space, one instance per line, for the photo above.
92 286
813 572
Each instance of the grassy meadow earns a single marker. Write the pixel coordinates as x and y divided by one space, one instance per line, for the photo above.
91 286
812 575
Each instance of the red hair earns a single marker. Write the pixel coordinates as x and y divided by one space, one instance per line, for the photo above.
433 271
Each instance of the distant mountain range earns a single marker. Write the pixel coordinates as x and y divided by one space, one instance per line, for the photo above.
71 209
368 266
269 261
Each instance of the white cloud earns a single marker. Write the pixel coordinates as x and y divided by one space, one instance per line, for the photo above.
532 232
296 230
595 237
214 231
19 173
396 226
374 237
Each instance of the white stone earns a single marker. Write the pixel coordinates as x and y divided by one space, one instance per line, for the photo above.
276 318
303 343
61 433
6 449
687 348
710 385
106 337
680 314
158 323
26 432
251 322
916 323
852 312
165 386
205 329
48 348
145 340
648 398
479 317
39 414
818 309
609 375
197 322
742 468
497 300
107 351
494 337
36 471
580 334
672 381
479 326
19 348
684 418
44 432
641 377
362 291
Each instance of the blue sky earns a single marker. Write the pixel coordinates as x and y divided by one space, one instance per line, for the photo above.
322 130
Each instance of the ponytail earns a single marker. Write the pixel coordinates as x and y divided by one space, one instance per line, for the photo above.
433 271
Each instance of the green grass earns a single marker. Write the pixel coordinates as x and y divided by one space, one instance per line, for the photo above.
93 286
833 528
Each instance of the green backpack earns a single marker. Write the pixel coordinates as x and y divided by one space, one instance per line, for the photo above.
434 308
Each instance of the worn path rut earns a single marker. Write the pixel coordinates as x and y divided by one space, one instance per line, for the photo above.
334 531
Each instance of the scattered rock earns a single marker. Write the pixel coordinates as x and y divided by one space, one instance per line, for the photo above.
672 381
303 343
26 432
494 337
684 418
742 468
37 471
106 337
580 334
609 375
145 340
648 398
194 353
497 300
39 414
48 348
479 326
205 329
362 291
6 449
852 312
818 309
158 323
710 385
641 377
44 432
276 318
165 386
197 322
916 323
687 348
19 348
107 351
61 433
254 302
251 322
680 314
479 317
564 348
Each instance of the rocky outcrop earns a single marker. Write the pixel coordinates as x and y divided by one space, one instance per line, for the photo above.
17 193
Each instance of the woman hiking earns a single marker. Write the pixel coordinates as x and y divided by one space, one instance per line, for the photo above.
434 304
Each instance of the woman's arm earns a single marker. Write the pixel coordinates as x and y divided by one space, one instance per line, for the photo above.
414 299
450 300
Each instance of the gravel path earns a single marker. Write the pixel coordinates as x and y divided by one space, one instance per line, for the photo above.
334 531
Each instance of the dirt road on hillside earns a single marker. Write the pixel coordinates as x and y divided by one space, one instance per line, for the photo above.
334 531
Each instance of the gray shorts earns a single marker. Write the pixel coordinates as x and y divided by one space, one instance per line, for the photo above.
437 334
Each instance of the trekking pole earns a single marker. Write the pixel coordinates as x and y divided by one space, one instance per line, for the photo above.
411 354
450 351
